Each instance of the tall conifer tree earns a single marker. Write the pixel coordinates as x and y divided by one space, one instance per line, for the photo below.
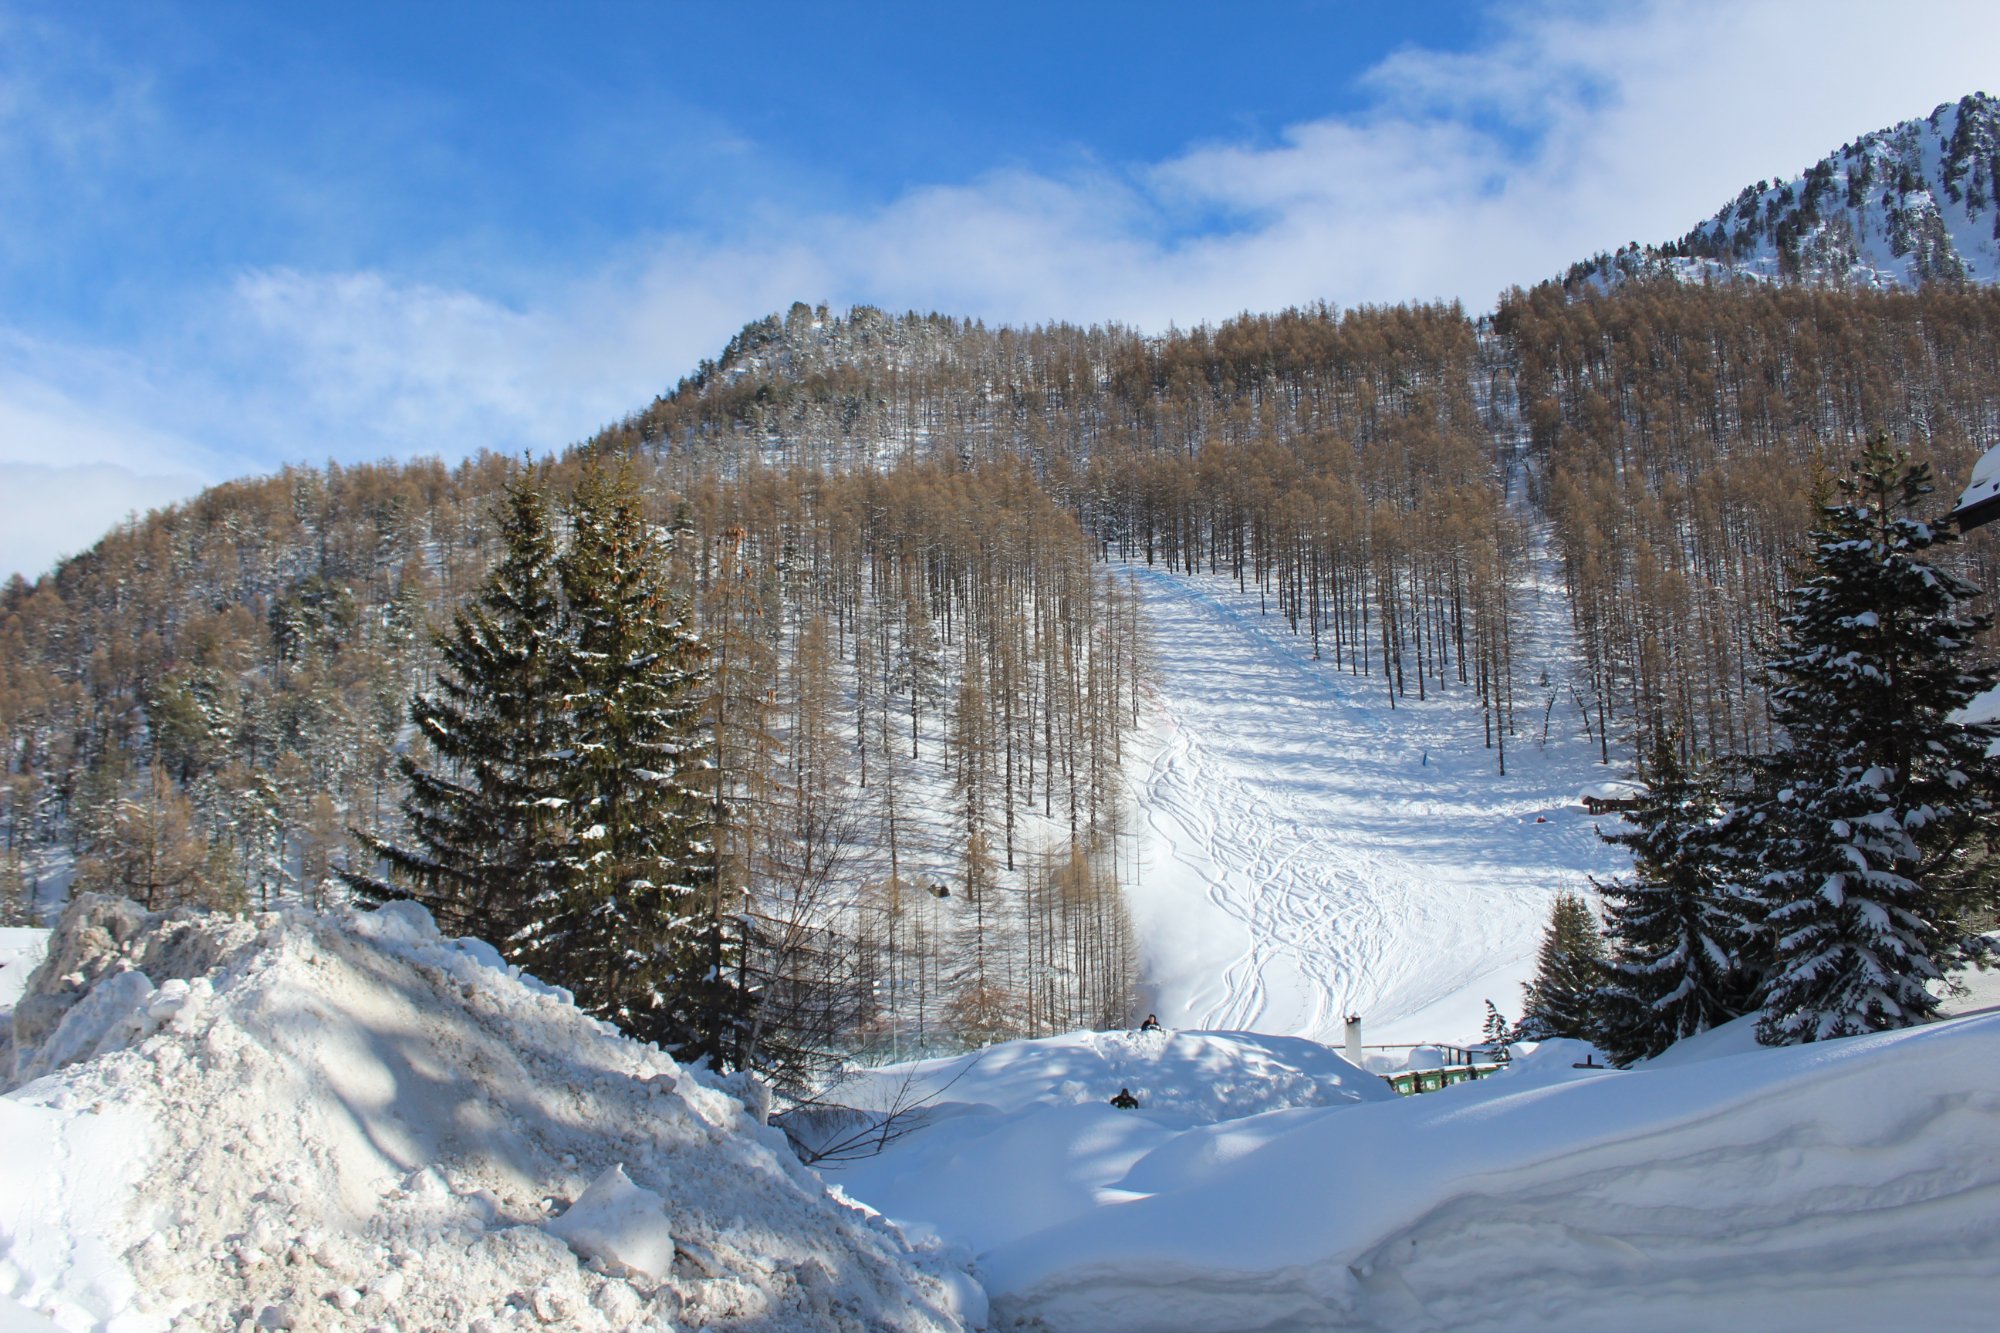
1680 928
484 816
1869 811
634 923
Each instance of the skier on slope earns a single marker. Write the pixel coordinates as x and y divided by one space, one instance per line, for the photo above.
1125 1101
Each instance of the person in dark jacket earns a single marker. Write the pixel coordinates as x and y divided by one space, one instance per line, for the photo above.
1125 1101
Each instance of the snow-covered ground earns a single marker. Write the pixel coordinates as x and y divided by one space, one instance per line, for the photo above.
1850 1184
350 1123
1309 854
990 1148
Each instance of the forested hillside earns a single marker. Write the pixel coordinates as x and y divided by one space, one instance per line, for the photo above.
921 694
895 534
1685 435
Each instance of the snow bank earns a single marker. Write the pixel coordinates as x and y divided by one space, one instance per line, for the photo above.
1846 1184
353 1123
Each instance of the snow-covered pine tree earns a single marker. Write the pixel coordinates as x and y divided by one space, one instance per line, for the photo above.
1678 925
1561 1000
634 926
1871 807
485 821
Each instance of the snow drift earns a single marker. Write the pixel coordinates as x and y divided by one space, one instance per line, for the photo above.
350 1123
987 1149
1194 1076
1845 1184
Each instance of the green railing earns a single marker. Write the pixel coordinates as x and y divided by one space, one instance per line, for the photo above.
1414 1081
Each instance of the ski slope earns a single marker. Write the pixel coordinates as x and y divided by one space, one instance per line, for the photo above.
1307 852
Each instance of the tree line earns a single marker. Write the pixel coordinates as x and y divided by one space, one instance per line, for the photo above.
560 807
1351 465
1684 438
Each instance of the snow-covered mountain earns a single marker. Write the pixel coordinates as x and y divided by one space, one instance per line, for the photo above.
1914 203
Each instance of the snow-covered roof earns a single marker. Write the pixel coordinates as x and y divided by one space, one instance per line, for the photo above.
1985 484
1615 789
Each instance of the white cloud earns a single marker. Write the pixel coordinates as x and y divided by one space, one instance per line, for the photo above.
40 422
54 511
72 464
396 366
1572 130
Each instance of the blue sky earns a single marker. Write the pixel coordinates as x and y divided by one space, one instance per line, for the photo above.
237 235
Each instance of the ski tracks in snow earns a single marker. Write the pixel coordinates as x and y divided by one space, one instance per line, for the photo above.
1311 853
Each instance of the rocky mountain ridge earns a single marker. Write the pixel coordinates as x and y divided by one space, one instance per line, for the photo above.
1913 203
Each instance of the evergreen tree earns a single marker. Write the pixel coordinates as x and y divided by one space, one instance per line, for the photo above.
1680 928
1496 1032
484 817
1868 813
1561 1000
634 924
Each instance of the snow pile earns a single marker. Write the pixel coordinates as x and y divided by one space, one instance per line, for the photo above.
1850 1183
617 1222
330 1124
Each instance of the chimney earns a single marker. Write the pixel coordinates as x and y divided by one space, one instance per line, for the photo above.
1353 1049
